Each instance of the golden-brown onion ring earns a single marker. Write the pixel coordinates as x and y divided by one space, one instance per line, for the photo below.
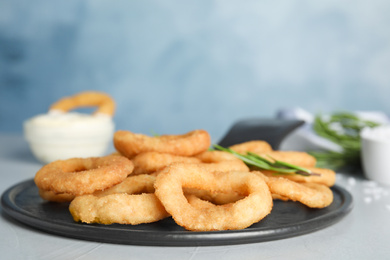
294 157
241 214
255 146
326 176
313 195
104 102
216 156
130 144
134 184
221 162
149 162
80 176
53 197
121 204
117 208
217 198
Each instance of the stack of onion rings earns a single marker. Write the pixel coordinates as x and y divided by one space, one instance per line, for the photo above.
151 178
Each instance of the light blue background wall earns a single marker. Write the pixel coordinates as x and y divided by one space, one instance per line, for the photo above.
174 66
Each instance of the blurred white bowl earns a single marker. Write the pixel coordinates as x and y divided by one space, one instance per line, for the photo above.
56 136
375 153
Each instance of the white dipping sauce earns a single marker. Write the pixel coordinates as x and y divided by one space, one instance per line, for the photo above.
59 135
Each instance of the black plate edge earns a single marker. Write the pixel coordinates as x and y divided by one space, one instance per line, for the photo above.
174 238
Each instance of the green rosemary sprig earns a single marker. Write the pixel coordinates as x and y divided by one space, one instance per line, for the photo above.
344 129
255 160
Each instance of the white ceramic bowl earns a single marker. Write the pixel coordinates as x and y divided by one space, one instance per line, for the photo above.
56 136
375 153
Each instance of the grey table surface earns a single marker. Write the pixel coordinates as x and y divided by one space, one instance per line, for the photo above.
363 234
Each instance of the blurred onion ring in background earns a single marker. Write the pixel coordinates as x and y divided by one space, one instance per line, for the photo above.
104 103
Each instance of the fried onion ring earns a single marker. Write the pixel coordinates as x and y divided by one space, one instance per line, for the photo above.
78 176
313 195
134 184
130 144
120 204
264 149
302 159
128 209
255 206
216 156
53 197
326 176
149 162
217 198
255 146
104 102
221 162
